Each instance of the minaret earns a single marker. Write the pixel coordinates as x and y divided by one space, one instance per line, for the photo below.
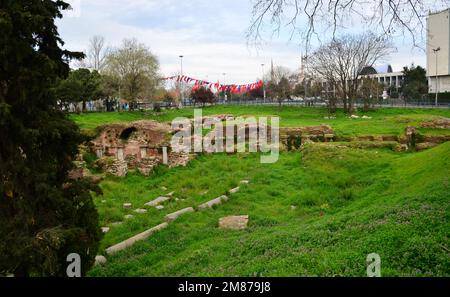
272 72
302 68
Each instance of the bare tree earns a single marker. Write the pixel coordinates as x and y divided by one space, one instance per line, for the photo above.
387 17
96 54
340 62
279 72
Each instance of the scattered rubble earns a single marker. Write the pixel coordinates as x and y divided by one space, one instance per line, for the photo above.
100 260
140 211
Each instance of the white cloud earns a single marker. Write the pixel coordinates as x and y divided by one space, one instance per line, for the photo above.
210 34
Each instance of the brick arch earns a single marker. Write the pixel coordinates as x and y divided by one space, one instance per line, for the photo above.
125 134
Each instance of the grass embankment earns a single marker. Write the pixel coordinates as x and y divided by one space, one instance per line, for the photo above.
386 121
347 203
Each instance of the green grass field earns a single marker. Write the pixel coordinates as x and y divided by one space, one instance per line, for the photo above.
384 121
318 212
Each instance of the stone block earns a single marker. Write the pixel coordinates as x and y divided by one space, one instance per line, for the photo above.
235 190
100 260
130 241
234 222
173 216
213 202
140 211
157 201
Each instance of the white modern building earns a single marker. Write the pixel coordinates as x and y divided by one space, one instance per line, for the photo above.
438 51
384 75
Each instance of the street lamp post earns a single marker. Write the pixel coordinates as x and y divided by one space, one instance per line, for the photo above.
264 85
224 90
436 50
181 86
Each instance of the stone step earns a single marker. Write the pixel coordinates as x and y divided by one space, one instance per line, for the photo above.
173 216
157 201
213 202
130 241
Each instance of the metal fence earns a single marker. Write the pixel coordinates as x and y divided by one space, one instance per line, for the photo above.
99 106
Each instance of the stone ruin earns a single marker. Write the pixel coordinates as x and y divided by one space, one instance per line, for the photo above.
441 123
294 138
140 145
143 145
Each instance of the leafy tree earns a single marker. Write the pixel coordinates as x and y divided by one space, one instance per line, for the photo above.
256 93
109 87
280 89
203 95
415 84
393 92
44 215
299 90
135 68
82 85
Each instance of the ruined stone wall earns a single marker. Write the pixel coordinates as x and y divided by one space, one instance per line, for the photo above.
133 146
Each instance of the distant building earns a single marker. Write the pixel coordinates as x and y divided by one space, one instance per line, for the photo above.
438 51
384 75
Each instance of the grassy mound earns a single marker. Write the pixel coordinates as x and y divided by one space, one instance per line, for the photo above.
319 212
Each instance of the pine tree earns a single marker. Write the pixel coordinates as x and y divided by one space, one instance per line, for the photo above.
44 216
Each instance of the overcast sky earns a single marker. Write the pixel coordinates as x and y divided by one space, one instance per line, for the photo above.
211 34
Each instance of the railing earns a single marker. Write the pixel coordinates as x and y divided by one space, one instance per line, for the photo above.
99 106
